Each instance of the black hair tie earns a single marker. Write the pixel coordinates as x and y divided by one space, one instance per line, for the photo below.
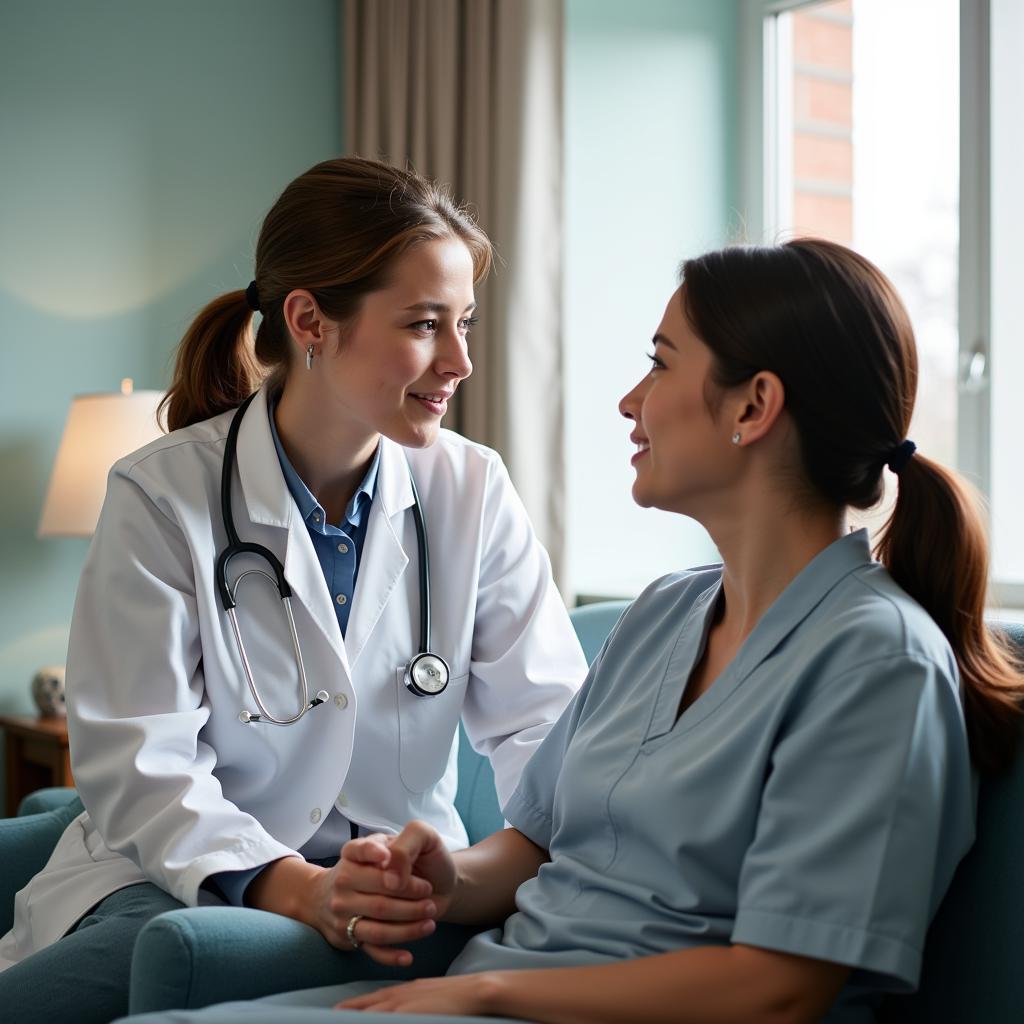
900 456
252 297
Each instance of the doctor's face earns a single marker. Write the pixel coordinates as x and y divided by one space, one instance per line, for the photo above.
683 459
399 362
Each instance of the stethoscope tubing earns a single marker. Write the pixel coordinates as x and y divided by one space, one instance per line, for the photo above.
435 667
424 568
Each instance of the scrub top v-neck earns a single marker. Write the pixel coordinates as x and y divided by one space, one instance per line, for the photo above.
814 799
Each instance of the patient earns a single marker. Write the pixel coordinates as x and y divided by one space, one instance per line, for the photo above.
754 806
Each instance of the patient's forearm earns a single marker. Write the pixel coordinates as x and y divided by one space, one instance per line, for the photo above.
706 985
489 874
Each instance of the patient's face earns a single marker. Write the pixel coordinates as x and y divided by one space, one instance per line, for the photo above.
682 460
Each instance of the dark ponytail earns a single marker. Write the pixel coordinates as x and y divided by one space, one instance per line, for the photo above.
935 547
216 367
833 329
335 231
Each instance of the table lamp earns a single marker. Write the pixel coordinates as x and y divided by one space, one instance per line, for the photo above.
99 430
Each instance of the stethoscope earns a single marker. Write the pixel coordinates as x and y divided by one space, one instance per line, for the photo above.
426 674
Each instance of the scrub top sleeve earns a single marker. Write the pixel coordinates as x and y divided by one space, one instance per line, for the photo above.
526 662
135 704
866 810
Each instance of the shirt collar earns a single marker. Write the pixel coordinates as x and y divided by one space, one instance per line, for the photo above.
802 595
309 507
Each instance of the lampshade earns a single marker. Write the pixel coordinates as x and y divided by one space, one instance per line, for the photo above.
99 430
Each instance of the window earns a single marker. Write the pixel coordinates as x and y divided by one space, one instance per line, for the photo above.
891 125
858 104
864 153
1007 274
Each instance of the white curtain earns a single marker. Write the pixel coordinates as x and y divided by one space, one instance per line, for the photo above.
469 92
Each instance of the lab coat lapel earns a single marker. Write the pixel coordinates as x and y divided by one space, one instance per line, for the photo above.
270 503
383 559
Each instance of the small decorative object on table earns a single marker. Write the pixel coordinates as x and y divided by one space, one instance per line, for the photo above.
48 692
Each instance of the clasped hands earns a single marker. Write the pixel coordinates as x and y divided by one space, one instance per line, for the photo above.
400 885
397 887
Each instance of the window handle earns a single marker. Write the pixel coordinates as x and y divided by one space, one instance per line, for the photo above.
974 368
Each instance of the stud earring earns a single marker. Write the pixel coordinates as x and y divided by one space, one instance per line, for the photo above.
736 438
309 358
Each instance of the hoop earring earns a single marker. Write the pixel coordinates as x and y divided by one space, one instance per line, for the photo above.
736 438
309 358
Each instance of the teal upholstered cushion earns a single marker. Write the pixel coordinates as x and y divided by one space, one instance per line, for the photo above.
46 800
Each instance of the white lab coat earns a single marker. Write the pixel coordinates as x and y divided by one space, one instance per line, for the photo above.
176 787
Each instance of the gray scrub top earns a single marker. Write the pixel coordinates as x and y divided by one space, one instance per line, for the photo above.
815 799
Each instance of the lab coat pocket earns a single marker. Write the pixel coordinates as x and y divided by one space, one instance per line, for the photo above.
427 728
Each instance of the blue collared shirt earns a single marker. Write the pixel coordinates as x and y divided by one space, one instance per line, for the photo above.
338 549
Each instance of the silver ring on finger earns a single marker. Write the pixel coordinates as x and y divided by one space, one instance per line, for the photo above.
350 930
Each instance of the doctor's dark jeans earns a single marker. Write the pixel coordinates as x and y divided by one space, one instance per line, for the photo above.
84 977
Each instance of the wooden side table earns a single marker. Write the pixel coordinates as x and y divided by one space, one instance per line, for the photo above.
37 756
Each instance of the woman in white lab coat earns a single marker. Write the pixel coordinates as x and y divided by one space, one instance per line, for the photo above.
364 278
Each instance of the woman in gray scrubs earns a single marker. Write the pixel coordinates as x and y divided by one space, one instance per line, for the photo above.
756 802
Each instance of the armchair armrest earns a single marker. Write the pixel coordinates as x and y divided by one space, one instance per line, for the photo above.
26 843
51 799
201 955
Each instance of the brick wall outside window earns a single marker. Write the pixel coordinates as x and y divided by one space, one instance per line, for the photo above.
823 121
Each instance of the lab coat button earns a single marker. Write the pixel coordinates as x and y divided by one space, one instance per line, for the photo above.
314 815
341 700
343 800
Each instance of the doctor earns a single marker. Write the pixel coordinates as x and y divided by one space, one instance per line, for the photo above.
231 729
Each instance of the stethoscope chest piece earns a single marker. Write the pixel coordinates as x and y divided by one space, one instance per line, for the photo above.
427 674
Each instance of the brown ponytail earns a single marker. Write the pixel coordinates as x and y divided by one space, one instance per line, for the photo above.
935 547
832 327
215 368
334 231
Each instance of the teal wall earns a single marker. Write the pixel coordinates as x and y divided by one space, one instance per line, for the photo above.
140 145
652 129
